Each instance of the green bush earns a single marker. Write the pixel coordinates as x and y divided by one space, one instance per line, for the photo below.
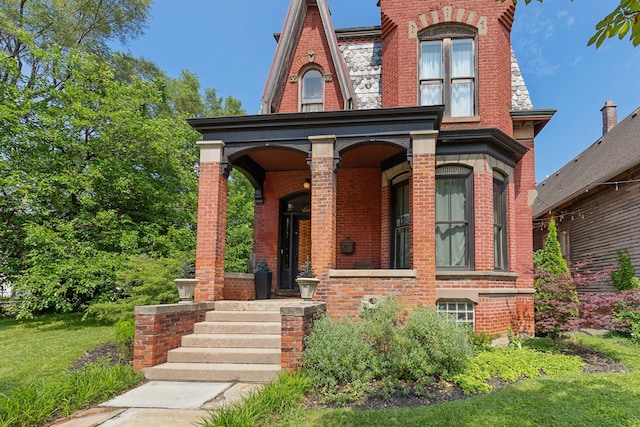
125 334
142 281
432 345
390 341
624 277
337 354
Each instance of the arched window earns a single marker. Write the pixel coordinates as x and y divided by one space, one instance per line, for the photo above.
448 63
454 211
312 92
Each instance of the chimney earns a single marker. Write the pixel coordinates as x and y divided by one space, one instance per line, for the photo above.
609 116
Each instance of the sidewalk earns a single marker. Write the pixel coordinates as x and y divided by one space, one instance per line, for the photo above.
160 403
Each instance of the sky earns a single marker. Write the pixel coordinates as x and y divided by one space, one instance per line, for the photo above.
229 45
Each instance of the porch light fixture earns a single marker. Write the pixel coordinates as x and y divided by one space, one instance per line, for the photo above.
307 184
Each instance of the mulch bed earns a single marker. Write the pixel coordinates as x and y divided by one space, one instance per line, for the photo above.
108 352
441 392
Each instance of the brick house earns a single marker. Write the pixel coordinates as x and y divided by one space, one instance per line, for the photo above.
594 199
398 158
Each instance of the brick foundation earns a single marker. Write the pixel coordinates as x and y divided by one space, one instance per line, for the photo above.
297 321
160 328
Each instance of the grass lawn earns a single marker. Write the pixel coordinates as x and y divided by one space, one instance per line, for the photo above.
41 350
569 400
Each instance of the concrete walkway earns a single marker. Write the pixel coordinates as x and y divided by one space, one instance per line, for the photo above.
161 403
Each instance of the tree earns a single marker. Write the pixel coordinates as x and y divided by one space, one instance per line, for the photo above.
556 297
551 259
239 242
623 20
28 27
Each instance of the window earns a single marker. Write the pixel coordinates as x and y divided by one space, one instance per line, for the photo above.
499 222
400 227
312 93
453 213
461 312
448 70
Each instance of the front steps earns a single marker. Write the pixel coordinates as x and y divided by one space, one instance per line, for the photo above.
238 342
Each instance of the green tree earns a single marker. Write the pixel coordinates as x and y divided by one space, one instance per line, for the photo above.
551 259
622 21
28 27
239 242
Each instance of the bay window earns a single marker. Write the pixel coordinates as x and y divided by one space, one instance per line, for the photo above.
454 207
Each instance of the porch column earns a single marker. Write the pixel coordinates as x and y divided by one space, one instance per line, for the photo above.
423 216
323 204
212 223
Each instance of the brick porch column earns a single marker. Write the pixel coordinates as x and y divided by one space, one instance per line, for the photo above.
423 210
212 223
323 204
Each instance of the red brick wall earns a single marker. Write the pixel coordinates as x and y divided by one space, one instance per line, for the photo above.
162 330
312 38
495 314
483 219
212 222
323 215
239 287
423 221
359 207
296 325
400 62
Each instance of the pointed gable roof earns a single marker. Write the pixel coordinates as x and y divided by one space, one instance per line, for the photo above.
287 46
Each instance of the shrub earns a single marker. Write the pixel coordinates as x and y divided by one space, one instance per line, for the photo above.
389 342
624 278
336 353
125 334
616 311
431 344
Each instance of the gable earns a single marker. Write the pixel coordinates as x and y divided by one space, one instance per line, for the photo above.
308 39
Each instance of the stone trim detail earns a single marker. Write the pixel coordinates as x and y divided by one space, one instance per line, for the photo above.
448 14
473 294
211 151
374 273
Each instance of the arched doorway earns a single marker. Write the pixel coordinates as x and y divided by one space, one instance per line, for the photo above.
295 238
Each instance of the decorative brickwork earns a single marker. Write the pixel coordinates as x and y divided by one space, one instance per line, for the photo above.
161 328
297 321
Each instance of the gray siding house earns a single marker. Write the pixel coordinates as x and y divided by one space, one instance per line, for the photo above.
595 199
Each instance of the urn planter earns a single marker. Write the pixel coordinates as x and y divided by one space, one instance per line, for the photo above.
186 288
307 287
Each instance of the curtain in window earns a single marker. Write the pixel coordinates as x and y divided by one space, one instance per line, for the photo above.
451 222
431 60
462 99
462 58
431 93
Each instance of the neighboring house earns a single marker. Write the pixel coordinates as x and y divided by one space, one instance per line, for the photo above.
398 157
595 199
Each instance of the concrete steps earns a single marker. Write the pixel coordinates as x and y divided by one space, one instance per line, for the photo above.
238 341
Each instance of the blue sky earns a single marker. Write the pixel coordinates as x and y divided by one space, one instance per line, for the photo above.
230 46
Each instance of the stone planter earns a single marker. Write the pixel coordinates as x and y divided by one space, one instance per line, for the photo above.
186 288
307 287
